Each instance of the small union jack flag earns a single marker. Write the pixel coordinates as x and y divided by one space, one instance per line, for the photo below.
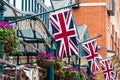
64 32
107 68
90 48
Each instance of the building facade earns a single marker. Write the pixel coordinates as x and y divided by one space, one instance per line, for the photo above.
101 17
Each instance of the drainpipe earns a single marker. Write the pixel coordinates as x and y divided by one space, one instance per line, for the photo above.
1 19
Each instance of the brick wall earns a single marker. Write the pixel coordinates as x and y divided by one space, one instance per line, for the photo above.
97 20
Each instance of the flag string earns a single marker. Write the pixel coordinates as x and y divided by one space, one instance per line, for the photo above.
102 72
90 39
106 58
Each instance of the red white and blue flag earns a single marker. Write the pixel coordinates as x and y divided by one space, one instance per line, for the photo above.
90 48
108 71
64 31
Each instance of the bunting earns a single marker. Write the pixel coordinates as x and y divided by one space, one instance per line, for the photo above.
90 48
108 71
64 32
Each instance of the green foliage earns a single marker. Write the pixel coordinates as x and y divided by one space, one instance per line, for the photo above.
58 64
69 72
9 40
88 79
81 76
95 78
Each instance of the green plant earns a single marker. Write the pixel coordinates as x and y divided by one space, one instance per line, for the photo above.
8 37
58 64
88 79
70 71
42 56
81 76
44 60
95 78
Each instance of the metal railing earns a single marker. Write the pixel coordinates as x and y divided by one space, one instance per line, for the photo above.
32 6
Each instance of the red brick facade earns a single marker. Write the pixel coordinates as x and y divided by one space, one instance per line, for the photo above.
98 21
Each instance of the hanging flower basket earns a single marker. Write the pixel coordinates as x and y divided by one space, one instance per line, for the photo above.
8 37
58 65
44 60
70 73
46 63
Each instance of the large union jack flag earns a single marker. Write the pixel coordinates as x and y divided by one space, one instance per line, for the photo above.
90 48
107 68
64 32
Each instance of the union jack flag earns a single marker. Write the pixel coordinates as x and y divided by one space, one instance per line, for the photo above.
64 32
90 48
107 68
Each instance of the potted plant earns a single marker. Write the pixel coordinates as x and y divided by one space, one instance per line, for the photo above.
44 60
95 78
8 37
81 76
92 77
70 73
58 73
58 64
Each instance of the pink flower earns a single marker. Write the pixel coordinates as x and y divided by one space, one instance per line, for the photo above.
75 69
72 68
49 55
91 76
43 55
82 70
7 25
